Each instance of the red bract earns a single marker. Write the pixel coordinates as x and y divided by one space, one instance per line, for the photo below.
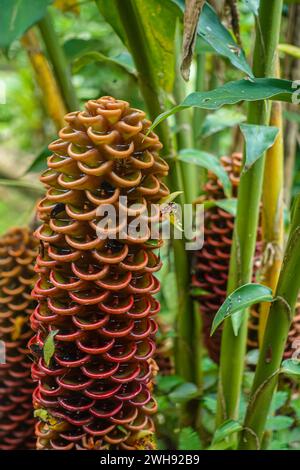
18 250
211 263
96 294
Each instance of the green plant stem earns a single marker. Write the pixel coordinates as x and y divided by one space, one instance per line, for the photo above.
199 114
59 62
184 132
278 324
233 347
138 46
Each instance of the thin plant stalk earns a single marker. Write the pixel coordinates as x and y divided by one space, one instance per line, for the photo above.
277 328
233 347
137 43
272 215
59 62
52 98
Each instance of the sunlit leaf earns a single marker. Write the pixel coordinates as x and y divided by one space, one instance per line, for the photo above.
258 140
290 367
17 16
229 205
49 347
226 429
240 299
232 93
220 120
219 38
189 440
208 161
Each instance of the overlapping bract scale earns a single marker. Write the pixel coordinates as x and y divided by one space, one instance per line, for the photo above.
95 292
18 250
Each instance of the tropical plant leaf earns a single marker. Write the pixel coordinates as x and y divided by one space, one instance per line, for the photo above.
258 140
165 383
219 38
225 430
123 61
290 367
278 423
229 205
17 16
208 161
253 6
184 393
220 120
39 164
232 93
157 21
240 299
171 197
213 32
189 440
49 347
278 400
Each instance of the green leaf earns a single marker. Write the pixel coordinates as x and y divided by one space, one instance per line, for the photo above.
214 32
125 63
49 347
278 400
77 47
258 140
289 49
290 367
240 299
220 120
189 440
278 423
157 21
232 93
21 184
17 16
198 292
42 414
171 197
210 403
253 6
39 164
229 205
225 430
208 161
184 392
165 383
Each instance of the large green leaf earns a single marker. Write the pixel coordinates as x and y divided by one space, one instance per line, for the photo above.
213 32
258 140
189 439
278 423
290 367
157 21
208 161
219 38
123 61
240 299
17 16
232 93
220 120
229 205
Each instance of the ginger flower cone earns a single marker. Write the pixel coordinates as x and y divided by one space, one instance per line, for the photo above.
211 263
18 250
95 293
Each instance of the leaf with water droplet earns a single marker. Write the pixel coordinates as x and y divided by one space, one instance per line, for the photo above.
49 347
239 300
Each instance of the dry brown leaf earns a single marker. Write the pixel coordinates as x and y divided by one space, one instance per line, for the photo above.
192 13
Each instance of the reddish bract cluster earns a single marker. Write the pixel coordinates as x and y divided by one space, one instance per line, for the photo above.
18 250
211 263
95 294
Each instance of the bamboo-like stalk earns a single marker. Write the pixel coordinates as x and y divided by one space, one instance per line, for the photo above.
53 101
277 328
272 215
244 238
198 113
292 72
138 45
184 130
59 62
